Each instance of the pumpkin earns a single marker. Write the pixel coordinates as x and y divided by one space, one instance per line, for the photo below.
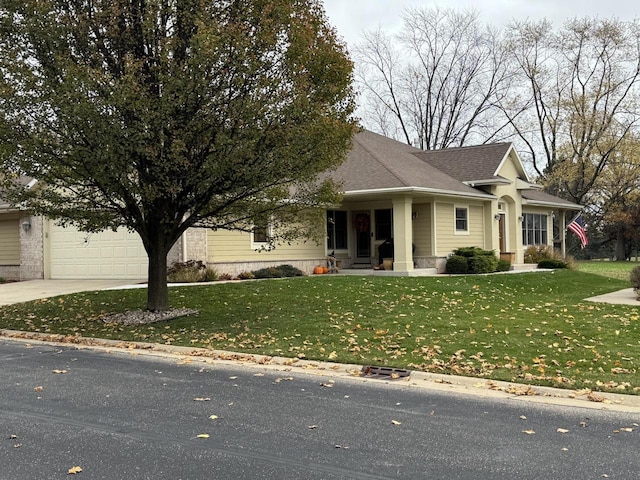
325 270
318 270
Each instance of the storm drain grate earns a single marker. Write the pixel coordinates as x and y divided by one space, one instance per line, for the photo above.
386 373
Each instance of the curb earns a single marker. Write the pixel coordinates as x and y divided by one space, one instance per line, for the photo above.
424 380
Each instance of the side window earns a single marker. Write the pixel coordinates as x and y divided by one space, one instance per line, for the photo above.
384 224
336 230
462 219
260 233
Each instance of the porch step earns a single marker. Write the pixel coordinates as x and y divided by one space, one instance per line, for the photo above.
522 267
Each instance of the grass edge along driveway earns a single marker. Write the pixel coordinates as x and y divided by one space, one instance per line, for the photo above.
530 328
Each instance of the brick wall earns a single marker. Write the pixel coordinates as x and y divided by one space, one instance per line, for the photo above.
32 248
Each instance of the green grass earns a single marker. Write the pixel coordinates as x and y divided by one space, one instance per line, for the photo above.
620 270
531 327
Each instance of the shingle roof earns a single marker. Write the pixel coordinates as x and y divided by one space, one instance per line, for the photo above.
376 162
538 197
23 181
468 164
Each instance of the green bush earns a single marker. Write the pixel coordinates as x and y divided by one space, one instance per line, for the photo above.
469 252
191 271
246 276
483 263
635 280
457 264
503 266
552 263
281 271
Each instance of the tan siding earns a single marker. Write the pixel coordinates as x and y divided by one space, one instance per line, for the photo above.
422 229
226 246
447 239
9 242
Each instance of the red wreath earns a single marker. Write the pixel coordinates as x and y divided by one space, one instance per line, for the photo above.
361 222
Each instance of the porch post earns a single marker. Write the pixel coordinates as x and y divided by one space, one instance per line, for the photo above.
402 234
563 232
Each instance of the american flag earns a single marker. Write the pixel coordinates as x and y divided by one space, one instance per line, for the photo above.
577 227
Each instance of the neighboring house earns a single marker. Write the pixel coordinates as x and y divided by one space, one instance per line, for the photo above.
429 202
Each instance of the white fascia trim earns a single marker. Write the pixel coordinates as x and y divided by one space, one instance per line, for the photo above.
492 181
31 183
540 203
446 193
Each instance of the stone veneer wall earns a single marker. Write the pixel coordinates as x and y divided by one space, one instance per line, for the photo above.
196 247
32 249
235 268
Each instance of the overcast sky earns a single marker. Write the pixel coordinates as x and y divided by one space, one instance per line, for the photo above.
352 17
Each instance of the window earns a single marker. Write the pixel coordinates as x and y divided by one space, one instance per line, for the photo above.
462 219
384 224
336 230
261 233
534 229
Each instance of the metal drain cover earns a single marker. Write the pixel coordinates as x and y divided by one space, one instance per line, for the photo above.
386 373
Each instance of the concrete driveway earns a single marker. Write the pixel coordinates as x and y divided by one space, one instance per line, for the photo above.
17 292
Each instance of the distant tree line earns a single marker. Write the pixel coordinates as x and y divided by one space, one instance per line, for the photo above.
567 97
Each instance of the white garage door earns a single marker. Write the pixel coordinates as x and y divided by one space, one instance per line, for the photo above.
77 255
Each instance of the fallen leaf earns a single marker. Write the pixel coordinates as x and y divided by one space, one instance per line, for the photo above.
12 437
200 399
529 432
213 417
59 371
333 355
203 435
626 429
233 378
17 445
522 417
313 427
258 374
562 430
395 422
38 389
74 470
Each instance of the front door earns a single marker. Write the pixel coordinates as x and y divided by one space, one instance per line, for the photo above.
501 233
362 224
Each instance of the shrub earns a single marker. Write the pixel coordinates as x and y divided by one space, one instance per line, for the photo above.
225 276
552 263
473 252
246 276
503 266
483 263
457 264
190 271
635 280
537 253
280 271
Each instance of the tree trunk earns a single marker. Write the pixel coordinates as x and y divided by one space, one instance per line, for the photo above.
157 289
620 244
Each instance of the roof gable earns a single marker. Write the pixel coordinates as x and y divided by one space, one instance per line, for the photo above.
376 162
475 165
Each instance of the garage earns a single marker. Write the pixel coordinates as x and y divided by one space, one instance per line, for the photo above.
104 255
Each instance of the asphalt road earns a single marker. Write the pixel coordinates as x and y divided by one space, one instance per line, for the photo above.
127 416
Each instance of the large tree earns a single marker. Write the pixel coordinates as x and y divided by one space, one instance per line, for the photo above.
161 115
578 97
436 83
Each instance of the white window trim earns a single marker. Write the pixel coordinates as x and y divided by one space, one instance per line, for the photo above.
262 245
455 229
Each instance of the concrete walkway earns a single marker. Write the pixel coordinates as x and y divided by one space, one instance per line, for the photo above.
621 297
17 292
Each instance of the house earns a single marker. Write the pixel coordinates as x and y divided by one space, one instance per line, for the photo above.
428 202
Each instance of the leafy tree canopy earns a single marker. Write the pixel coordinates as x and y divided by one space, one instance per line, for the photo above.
161 115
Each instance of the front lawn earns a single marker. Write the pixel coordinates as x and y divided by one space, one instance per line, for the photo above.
530 327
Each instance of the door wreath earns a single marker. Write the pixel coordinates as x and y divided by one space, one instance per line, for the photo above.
361 222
